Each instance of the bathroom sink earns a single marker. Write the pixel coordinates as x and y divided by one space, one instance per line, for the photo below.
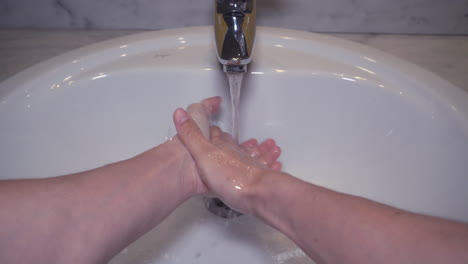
348 117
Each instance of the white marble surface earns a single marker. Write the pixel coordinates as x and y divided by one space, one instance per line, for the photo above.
446 56
365 16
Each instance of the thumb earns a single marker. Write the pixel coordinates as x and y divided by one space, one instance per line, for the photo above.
189 133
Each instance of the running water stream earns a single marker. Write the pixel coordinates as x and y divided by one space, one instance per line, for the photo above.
235 84
215 205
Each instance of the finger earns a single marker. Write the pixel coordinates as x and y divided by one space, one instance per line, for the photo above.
212 104
222 136
208 105
189 133
267 145
272 155
201 112
228 138
249 144
256 154
276 166
200 115
251 147
215 132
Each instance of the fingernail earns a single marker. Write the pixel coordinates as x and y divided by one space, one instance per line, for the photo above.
180 116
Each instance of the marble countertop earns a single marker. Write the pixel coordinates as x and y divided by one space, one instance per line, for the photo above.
446 56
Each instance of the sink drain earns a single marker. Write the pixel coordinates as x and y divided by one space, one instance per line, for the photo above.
217 207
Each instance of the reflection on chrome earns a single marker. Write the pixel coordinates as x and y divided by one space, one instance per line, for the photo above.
101 75
257 73
123 46
369 59
360 78
123 55
364 69
67 78
381 85
348 79
278 70
75 61
183 41
453 108
285 37
207 69
181 38
279 45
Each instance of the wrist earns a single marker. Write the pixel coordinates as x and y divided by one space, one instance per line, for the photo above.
175 163
183 168
256 196
272 197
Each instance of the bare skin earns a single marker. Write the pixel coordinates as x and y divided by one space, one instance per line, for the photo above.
91 216
330 227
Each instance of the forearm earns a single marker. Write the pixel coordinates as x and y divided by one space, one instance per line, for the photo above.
89 217
337 228
289 205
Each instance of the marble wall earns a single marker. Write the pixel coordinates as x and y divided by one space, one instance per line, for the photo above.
365 16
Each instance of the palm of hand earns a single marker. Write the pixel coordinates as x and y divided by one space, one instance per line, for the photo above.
225 169
231 171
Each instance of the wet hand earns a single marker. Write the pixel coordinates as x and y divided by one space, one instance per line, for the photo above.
229 171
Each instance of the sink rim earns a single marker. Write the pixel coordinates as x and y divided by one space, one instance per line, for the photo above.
438 86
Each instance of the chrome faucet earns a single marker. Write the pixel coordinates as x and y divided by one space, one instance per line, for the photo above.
235 33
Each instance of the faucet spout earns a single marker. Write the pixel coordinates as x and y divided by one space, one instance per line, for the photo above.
235 33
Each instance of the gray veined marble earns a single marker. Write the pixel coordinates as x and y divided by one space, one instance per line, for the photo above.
365 16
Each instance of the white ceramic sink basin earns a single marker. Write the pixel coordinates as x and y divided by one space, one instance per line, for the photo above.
347 117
